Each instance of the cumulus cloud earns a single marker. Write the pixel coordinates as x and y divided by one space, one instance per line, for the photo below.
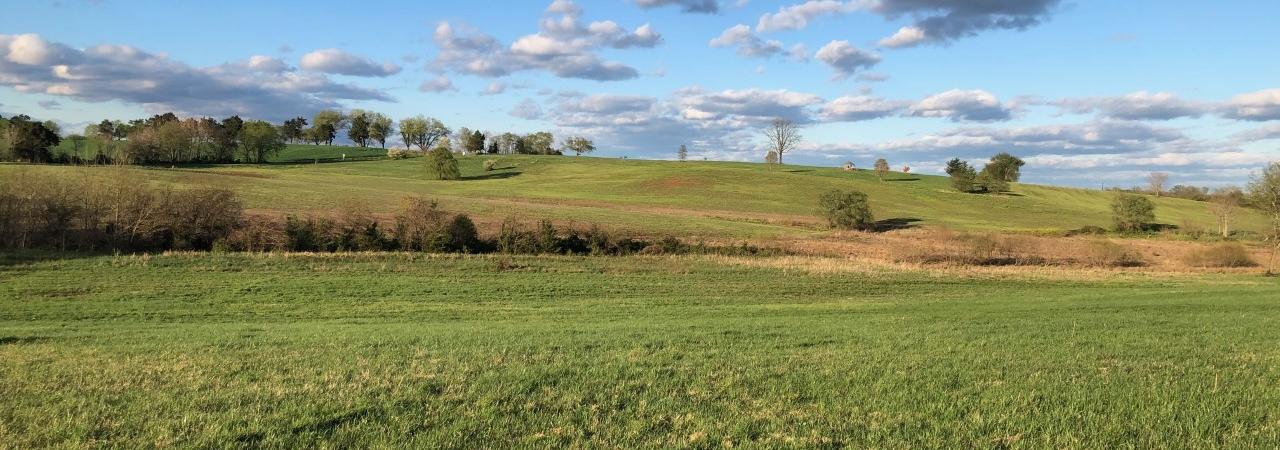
1254 106
743 107
1139 105
689 6
257 87
563 46
1103 137
962 106
845 59
860 107
935 21
751 46
494 88
795 17
943 21
338 62
438 84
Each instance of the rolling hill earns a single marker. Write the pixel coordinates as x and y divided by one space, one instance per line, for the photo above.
705 199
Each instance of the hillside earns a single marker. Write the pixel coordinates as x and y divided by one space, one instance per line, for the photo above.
692 198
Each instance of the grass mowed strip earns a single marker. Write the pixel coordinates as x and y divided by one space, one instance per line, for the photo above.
413 351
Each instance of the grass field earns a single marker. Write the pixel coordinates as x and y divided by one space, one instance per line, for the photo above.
403 350
717 200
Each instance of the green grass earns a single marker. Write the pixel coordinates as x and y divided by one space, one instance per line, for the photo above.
715 200
414 351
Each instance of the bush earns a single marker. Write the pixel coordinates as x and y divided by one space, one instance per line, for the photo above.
490 164
848 210
400 153
310 235
962 175
1087 230
1110 254
421 226
441 165
199 217
1132 212
254 235
1224 255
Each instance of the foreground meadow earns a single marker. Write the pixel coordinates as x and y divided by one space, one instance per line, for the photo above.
405 350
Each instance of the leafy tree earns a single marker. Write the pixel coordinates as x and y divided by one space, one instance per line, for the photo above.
962 175
783 136
540 143
989 181
231 128
30 140
53 127
579 145
441 164
422 131
380 128
771 158
327 123
882 168
358 130
475 144
294 128
1132 212
1264 194
260 139
507 143
494 148
1005 167
847 209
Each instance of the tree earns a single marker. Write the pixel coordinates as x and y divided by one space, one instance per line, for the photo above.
1264 194
327 124
293 129
882 168
507 143
540 143
475 143
441 164
380 128
1223 203
579 145
1156 181
31 140
783 136
260 139
683 154
962 175
421 131
231 127
1005 167
493 147
847 209
989 181
771 158
1131 212
358 130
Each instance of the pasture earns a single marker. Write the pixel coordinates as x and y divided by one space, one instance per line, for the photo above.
410 350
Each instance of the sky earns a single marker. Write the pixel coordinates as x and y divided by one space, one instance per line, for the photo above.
1090 93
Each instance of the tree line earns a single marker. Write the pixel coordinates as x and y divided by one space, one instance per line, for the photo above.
168 139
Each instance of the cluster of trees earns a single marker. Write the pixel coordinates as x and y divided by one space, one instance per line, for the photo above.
995 176
168 139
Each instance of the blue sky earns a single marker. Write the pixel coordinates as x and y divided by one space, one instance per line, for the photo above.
1088 92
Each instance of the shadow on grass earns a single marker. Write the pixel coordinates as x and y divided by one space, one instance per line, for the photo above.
10 258
895 180
491 176
897 223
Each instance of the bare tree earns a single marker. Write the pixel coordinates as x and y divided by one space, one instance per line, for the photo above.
882 168
783 136
1156 182
683 154
1264 194
1223 204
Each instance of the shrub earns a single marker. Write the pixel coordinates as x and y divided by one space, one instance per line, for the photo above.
462 235
199 217
400 153
1132 212
962 175
847 209
1087 230
1104 253
310 235
1223 255
254 235
420 226
441 165
490 164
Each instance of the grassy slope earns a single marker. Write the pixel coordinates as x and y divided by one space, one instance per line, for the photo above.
307 351
711 199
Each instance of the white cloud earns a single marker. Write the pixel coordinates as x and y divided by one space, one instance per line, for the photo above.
905 37
257 87
1255 106
1140 105
846 59
338 62
689 6
861 107
962 106
797 17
